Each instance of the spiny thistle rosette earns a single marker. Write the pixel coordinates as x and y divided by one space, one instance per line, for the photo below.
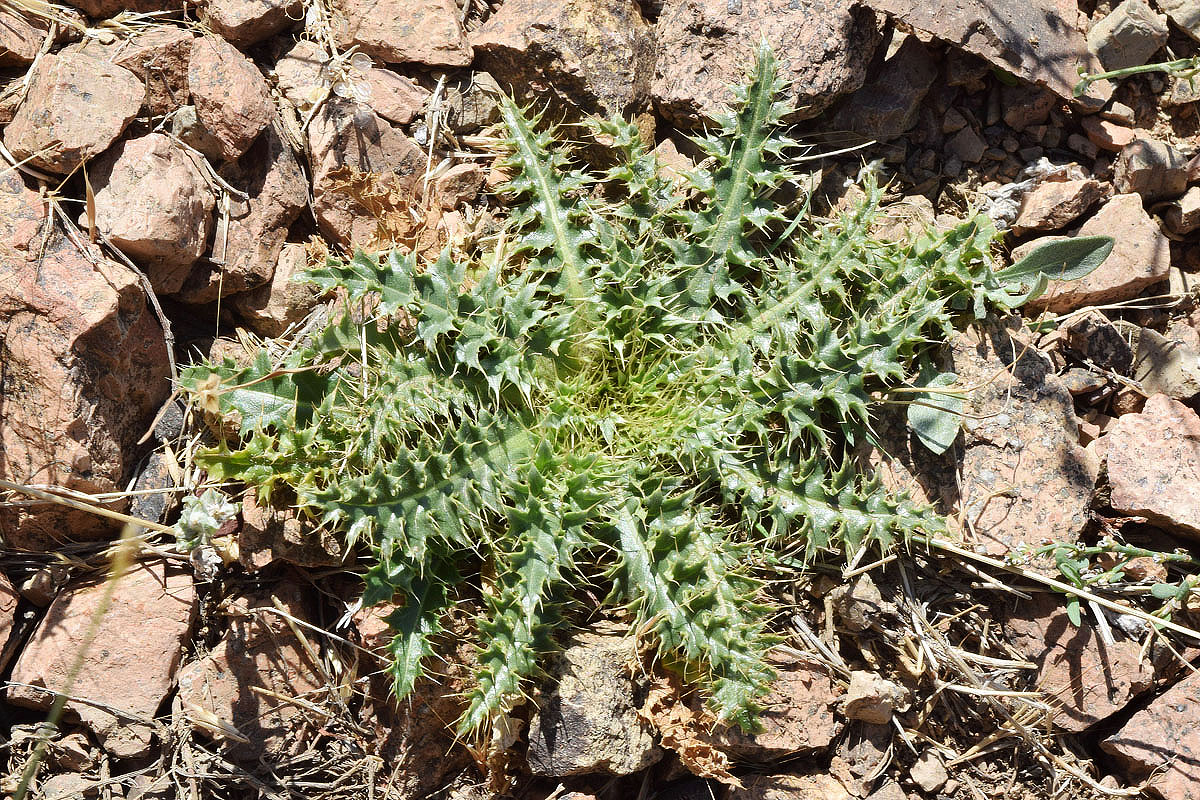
652 392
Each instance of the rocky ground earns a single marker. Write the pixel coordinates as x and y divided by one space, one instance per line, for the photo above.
172 166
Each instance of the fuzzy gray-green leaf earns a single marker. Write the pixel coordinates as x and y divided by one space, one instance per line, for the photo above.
1062 260
936 417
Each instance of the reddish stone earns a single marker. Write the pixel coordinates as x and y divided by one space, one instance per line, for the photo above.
797 715
365 175
100 9
704 46
232 99
394 97
247 22
153 202
131 663
21 36
1153 169
76 106
1086 681
246 244
1154 465
258 651
458 185
415 734
10 598
790 787
303 76
1052 205
85 369
1183 215
275 306
269 534
404 31
1022 477
1162 742
583 55
1128 35
1168 363
298 73
872 698
1037 40
1107 135
1140 257
159 56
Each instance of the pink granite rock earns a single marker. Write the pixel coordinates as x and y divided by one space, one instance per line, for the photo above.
232 99
797 716
791 787
1085 680
159 56
416 734
1162 742
1183 215
275 306
21 36
1105 134
10 641
1153 463
271 533
258 651
395 97
303 76
1022 477
100 9
85 369
404 31
1039 41
153 202
458 185
76 106
704 46
1153 169
245 247
129 667
247 22
587 56
1052 205
365 173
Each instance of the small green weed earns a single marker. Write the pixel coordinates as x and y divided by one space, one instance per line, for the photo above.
651 395
1182 68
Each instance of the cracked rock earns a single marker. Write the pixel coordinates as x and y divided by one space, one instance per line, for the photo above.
588 723
873 699
1021 476
1036 40
703 47
404 31
154 204
1153 465
589 56
1128 36
76 106
1162 742
1086 680
1152 169
128 675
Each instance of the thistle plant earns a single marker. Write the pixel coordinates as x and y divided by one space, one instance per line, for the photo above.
650 392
